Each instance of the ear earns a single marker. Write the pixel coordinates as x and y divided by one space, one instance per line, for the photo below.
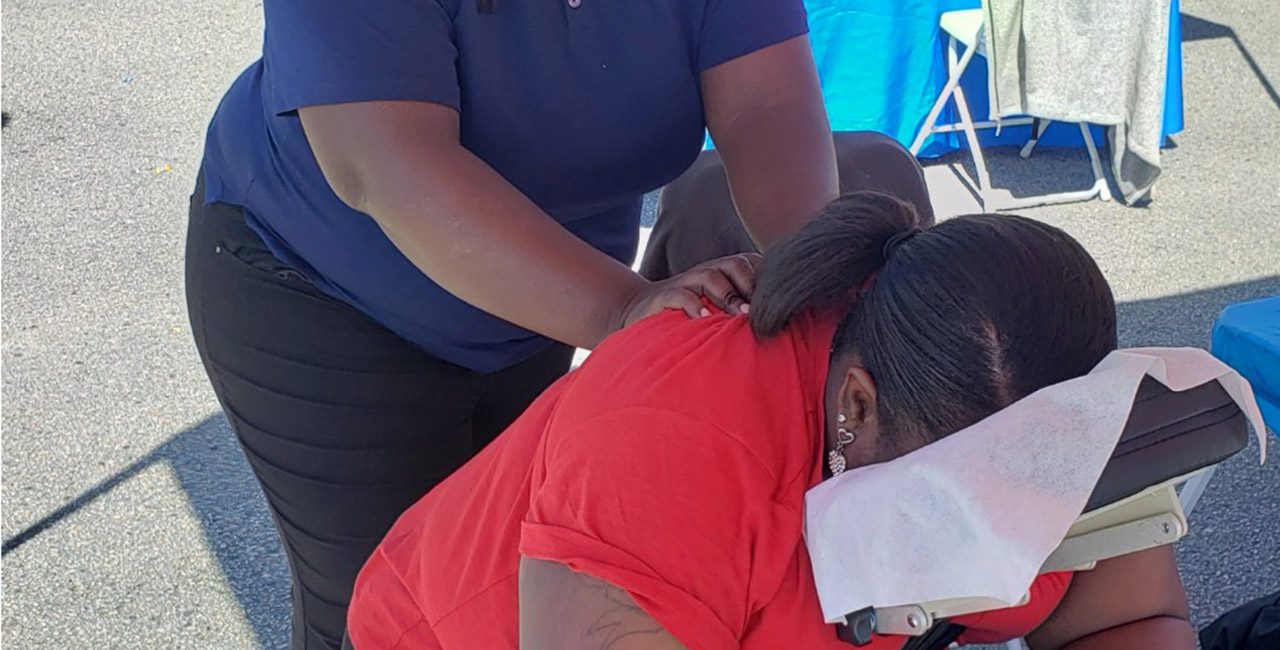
856 397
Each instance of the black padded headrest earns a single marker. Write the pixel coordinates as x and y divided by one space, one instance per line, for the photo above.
1169 435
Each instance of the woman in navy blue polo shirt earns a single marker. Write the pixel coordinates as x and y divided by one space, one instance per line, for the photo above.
411 210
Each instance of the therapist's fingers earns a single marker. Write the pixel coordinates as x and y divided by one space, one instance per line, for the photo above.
714 284
663 296
741 271
727 282
685 300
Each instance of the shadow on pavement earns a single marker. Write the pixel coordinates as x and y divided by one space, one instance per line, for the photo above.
225 498
1199 29
1185 318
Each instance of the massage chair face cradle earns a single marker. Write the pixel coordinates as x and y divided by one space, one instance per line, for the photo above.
1169 439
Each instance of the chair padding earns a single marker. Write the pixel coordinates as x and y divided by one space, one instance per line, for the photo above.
1169 435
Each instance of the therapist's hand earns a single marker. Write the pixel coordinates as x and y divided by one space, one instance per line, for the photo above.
726 283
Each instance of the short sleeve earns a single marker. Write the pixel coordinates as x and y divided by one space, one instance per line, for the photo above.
734 28
664 506
1000 625
333 52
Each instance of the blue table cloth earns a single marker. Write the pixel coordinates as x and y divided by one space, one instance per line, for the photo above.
882 64
1247 338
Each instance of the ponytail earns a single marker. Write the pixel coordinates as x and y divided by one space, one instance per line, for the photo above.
960 321
825 264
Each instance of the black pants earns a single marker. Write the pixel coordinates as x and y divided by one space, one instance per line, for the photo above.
344 423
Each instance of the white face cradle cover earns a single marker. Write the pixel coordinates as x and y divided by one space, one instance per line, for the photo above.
976 514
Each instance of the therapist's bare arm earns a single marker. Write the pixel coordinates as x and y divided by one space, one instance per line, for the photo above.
477 236
564 610
1133 601
766 115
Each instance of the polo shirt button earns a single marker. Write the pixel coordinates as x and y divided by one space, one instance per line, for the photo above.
575 3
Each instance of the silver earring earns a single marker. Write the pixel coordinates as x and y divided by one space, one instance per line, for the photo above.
840 417
835 458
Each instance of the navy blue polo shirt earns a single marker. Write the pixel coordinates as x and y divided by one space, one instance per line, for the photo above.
582 108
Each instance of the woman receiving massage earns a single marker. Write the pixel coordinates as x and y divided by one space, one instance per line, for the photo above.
653 499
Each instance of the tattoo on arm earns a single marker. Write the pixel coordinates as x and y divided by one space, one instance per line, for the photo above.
620 618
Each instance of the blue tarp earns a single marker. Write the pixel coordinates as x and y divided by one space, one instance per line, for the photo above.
882 64
1247 338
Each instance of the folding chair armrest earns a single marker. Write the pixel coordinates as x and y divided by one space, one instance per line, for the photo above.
1151 518
914 620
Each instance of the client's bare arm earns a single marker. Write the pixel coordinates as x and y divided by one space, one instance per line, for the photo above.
564 610
1133 601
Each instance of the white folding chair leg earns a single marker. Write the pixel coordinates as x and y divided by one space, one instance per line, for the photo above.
955 68
1099 181
979 161
1037 131
953 82
1194 488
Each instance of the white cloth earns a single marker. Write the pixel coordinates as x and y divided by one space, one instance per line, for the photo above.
976 514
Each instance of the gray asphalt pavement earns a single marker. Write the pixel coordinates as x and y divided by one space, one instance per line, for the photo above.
130 519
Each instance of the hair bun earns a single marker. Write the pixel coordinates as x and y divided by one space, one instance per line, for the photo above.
891 244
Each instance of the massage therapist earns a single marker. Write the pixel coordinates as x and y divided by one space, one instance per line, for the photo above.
410 211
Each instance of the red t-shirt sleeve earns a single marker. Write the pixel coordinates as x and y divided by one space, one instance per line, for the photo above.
1000 625
667 507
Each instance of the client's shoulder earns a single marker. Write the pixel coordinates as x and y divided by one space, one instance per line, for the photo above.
702 367
760 393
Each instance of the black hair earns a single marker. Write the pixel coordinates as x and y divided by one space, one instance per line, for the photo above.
953 323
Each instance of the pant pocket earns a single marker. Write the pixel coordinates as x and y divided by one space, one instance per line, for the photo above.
240 244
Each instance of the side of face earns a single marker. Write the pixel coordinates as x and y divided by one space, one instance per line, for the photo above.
851 393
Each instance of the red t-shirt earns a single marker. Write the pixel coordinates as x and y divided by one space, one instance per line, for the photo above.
673 464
